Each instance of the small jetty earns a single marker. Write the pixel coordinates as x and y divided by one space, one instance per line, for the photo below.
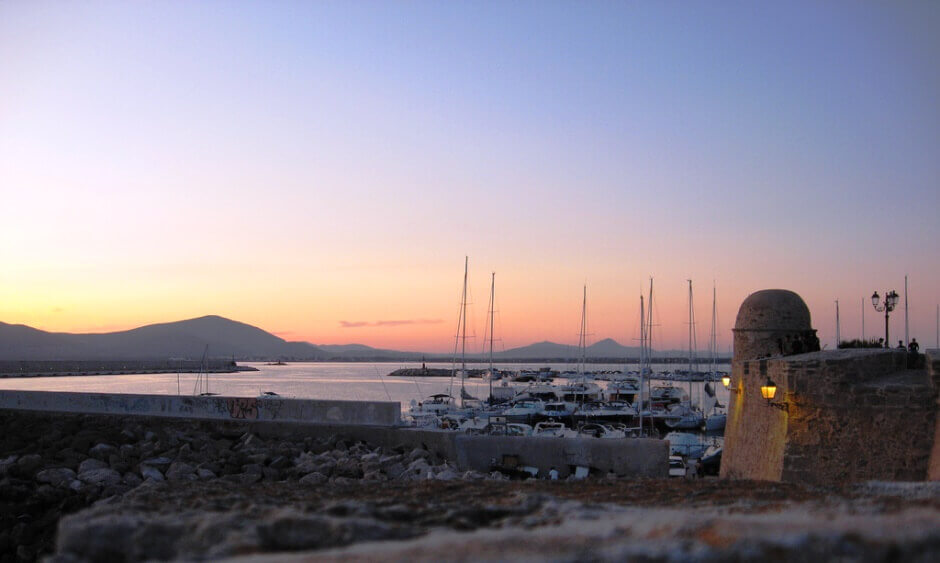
433 372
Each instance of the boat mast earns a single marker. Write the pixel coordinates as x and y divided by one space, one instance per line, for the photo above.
642 359
713 344
463 343
691 338
649 346
492 314
582 340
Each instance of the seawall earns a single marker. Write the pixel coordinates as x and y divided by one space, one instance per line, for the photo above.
51 368
311 411
376 423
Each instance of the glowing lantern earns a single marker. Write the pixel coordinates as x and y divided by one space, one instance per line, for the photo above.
726 381
768 390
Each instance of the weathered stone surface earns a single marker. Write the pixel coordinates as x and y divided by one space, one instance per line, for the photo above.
314 478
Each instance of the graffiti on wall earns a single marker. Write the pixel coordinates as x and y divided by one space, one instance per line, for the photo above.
243 408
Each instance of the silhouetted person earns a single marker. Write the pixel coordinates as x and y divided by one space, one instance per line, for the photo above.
913 358
901 345
812 342
797 345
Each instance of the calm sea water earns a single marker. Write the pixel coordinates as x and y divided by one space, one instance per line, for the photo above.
342 380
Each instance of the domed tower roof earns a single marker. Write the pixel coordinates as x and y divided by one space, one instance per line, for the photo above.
773 309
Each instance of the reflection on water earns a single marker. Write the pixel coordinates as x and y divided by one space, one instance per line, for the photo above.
343 380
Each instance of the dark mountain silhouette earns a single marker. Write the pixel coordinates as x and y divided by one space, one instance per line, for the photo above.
181 339
347 352
227 338
607 348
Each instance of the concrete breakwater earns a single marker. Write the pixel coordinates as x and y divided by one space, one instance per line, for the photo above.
368 413
52 368
433 372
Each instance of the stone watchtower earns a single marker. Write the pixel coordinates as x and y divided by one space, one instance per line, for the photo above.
773 322
837 416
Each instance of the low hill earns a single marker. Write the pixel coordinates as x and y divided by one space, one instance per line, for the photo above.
181 339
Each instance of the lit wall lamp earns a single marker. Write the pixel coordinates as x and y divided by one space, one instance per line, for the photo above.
768 391
726 381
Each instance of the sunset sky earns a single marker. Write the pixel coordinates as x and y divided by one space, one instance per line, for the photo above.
320 169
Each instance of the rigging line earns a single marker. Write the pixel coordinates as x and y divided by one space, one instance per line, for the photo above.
387 394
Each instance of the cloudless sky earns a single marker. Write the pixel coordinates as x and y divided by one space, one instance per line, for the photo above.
319 169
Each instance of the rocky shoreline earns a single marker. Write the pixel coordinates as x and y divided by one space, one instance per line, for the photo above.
96 488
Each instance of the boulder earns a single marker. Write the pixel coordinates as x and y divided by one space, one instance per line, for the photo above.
91 464
152 473
348 467
131 479
102 451
161 463
447 474
205 474
180 471
280 462
28 464
314 478
101 477
57 476
252 468
7 463
395 470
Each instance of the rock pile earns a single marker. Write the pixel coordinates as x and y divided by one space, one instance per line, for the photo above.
52 465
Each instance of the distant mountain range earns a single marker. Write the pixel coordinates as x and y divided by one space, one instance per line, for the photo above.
227 338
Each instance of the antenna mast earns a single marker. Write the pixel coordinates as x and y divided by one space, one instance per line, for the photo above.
907 339
838 326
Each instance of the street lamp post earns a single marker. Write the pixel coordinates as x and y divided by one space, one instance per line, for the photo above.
890 302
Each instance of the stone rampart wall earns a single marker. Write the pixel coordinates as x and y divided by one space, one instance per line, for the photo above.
933 371
755 434
851 415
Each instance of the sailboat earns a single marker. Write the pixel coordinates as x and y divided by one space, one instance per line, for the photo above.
443 403
581 390
714 418
685 415
502 392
